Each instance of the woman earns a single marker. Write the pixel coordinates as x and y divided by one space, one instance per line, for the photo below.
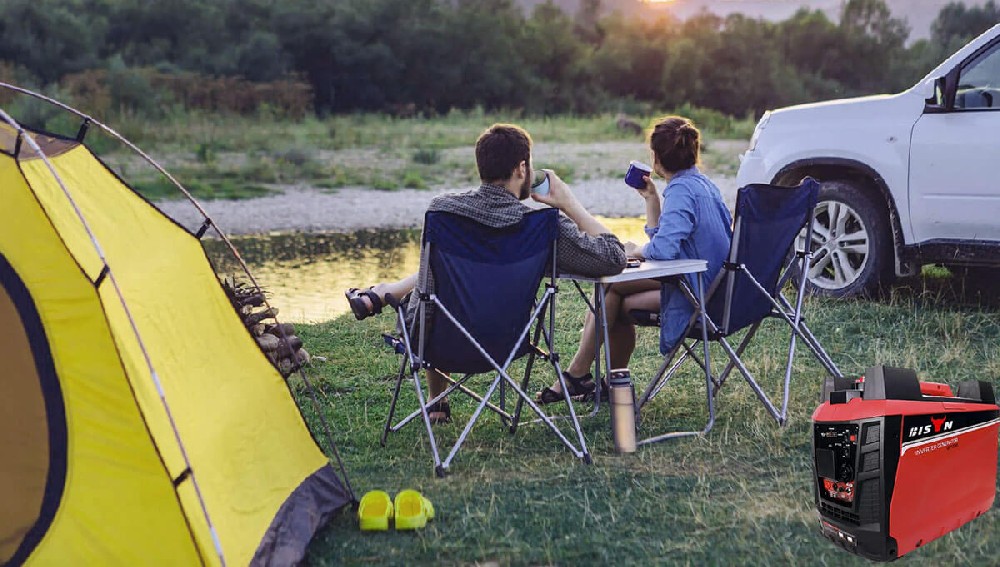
692 222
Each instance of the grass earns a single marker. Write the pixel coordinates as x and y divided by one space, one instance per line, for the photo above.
219 132
740 495
373 150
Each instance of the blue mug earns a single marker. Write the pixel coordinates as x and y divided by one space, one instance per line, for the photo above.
636 171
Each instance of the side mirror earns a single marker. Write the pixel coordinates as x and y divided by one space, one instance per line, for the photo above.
943 98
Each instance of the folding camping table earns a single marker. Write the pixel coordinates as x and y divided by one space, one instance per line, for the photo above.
662 270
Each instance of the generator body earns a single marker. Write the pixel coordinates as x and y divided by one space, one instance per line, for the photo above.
898 463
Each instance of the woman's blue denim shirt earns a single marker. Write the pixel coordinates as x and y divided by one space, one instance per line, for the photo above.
694 223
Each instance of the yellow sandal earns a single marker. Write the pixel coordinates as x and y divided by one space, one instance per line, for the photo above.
412 510
374 512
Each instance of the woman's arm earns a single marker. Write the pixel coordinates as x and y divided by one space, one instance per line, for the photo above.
676 223
652 205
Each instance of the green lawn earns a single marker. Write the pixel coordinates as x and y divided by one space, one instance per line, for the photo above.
218 156
740 495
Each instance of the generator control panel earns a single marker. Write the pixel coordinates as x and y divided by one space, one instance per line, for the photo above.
836 457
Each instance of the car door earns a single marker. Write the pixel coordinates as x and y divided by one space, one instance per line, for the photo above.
955 159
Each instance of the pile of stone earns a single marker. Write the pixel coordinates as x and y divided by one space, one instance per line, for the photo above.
277 340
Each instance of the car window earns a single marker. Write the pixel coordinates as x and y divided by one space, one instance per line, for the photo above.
979 82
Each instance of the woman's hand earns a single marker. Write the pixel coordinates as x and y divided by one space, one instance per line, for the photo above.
649 191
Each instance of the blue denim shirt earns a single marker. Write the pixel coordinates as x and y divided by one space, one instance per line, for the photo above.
694 223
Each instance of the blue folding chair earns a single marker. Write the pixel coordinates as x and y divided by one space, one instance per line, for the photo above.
748 290
479 316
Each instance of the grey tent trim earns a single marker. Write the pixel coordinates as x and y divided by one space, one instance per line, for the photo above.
308 507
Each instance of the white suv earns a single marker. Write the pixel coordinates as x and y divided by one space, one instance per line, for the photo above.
908 179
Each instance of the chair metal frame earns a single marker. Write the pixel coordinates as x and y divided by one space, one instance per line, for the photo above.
414 362
781 308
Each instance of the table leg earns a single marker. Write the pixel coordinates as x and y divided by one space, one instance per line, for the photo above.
701 310
600 342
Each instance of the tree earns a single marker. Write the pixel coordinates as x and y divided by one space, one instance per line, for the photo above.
956 24
51 38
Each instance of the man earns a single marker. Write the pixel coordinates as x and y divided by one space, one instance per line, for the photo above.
503 157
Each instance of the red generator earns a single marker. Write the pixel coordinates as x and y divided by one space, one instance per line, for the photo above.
898 462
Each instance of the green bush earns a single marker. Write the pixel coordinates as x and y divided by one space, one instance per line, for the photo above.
413 180
427 156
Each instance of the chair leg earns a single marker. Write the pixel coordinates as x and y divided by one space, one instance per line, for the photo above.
472 421
662 375
572 415
808 337
438 465
739 353
750 380
579 453
539 328
690 350
392 403
455 385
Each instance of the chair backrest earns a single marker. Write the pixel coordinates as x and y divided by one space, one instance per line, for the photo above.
488 279
767 220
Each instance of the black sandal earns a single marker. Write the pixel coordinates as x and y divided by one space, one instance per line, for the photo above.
440 407
358 306
582 388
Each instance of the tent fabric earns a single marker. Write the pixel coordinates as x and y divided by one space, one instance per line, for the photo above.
32 421
129 494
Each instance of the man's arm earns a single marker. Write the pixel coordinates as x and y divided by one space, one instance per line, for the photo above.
586 247
561 197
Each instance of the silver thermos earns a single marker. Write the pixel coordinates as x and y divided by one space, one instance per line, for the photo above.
622 397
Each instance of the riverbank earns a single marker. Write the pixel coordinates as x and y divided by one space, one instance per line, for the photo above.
301 208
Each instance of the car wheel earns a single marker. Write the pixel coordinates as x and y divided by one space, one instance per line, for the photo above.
851 243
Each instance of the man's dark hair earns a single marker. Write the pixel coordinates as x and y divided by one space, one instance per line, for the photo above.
499 150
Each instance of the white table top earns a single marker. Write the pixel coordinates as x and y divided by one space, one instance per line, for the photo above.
647 269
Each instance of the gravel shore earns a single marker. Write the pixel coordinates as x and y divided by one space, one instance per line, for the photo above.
305 209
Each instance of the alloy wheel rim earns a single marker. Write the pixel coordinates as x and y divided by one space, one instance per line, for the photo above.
840 246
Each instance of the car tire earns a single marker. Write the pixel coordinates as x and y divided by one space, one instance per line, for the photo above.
852 244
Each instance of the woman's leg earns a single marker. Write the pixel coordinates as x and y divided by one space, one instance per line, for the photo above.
620 331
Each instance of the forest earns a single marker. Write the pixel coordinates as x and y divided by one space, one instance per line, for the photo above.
428 57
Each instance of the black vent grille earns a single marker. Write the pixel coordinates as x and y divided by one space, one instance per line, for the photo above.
872 433
871 462
869 507
838 514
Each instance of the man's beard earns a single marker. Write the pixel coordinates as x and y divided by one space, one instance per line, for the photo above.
526 186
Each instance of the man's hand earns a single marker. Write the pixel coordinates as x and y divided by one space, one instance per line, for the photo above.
633 250
560 195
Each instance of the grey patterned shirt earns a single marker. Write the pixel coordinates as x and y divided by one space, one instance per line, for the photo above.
494 206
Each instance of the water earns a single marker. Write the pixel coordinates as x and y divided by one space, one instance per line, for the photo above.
306 273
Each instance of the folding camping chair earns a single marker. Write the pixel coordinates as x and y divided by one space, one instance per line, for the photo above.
479 316
747 291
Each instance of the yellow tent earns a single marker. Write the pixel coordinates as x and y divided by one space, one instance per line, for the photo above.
140 424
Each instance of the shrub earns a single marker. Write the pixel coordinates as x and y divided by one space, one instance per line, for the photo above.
427 156
413 180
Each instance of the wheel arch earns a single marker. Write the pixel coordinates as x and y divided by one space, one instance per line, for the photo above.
869 180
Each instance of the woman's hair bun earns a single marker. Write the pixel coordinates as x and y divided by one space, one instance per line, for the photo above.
676 143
